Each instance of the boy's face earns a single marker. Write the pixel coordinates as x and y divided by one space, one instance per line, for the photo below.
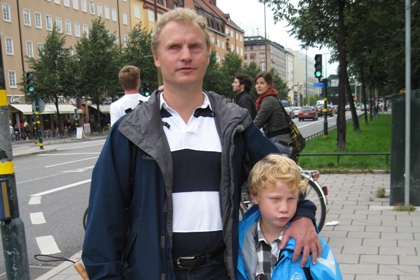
277 206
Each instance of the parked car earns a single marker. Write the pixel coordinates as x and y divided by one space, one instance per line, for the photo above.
330 111
290 112
307 112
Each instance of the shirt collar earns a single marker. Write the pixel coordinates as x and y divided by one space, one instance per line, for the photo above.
206 103
260 236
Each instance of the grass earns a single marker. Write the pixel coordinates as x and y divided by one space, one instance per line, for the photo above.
401 207
373 137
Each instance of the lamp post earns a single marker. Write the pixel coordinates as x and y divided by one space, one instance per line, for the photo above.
265 36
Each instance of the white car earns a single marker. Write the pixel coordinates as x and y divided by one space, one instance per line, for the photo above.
295 110
290 112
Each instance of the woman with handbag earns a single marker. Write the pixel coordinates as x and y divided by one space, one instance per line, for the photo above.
271 116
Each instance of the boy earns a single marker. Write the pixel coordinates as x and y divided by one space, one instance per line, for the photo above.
274 186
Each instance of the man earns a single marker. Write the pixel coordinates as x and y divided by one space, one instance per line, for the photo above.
178 216
242 85
129 77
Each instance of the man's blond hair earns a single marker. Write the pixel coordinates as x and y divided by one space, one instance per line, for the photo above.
267 171
183 16
128 76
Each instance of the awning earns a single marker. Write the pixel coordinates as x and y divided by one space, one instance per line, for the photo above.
105 109
26 109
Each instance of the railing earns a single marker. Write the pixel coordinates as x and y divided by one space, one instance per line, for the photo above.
338 155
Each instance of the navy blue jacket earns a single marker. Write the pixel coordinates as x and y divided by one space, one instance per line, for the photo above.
136 243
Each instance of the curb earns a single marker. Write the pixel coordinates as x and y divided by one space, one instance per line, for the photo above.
34 153
63 266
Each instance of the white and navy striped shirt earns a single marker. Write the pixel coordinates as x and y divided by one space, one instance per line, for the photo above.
196 155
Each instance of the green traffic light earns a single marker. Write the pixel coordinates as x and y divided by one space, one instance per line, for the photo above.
318 74
31 89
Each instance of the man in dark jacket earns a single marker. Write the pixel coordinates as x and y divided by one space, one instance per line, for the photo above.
241 86
177 217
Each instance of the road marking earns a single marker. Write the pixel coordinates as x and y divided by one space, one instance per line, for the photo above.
68 162
62 188
47 245
35 200
79 170
37 218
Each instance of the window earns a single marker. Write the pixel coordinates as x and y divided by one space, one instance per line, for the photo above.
59 25
9 46
136 11
40 47
125 18
236 36
57 1
218 43
227 31
29 49
99 8
262 47
237 50
85 30
67 3
240 38
262 65
68 27
6 12
84 6
76 4
12 79
252 56
223 44
26 17
92 7
151 16
245 57
38 21
262 55
114 14
106 12
48 22
77 29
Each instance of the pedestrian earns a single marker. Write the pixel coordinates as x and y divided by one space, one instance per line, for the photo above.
129 77
166 206
241 86
271 117
12 131
274 186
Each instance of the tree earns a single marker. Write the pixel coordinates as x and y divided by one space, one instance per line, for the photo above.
138 52
98 64
213 75
252 70
280 86
53 70
231 64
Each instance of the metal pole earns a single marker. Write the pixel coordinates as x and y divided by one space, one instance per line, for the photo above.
306 75
265 36
38 122
12 228
325 82
160 82
407 101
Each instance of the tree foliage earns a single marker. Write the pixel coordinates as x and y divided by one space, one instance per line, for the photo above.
99 62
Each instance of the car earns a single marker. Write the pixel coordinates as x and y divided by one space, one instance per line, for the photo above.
307 112
330 111
295 110
290 112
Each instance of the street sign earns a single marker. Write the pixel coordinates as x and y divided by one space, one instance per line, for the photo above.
317 85
41 106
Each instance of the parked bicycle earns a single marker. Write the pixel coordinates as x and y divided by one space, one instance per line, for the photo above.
314 192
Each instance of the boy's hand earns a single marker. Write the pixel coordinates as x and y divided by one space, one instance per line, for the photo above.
303 231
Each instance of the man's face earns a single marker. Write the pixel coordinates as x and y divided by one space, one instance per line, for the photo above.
236 86
182 54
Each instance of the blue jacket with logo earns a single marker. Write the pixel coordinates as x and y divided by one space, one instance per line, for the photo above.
325 268
129 229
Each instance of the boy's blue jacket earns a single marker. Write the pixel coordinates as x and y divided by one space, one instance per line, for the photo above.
326 267
136 243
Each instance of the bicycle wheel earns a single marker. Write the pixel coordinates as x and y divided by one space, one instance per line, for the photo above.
314 193
85 218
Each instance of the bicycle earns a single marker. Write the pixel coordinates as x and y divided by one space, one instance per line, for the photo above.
314 192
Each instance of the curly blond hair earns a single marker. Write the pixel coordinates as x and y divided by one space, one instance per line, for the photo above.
273 167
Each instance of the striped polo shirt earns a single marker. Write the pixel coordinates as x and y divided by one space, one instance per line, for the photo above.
196 155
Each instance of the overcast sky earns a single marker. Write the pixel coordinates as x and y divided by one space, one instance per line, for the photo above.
249 15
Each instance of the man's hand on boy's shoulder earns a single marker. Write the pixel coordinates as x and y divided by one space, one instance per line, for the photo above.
303 231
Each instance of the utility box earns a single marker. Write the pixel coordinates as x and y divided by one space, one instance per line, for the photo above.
398 143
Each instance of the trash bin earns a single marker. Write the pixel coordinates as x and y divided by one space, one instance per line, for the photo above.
398 149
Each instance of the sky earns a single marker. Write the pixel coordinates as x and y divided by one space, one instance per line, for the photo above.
249 15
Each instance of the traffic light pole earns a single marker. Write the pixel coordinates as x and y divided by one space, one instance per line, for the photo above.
38 122
12 227
325 95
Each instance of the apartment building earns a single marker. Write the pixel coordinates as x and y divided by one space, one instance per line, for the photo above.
266 54
26 23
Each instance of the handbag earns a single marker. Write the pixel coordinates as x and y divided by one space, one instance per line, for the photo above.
299 142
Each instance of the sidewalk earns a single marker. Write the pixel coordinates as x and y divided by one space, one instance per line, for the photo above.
371 241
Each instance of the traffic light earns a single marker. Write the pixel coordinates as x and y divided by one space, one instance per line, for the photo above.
318 66
30 80
146 89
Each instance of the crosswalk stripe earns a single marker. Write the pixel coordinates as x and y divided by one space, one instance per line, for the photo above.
47 245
